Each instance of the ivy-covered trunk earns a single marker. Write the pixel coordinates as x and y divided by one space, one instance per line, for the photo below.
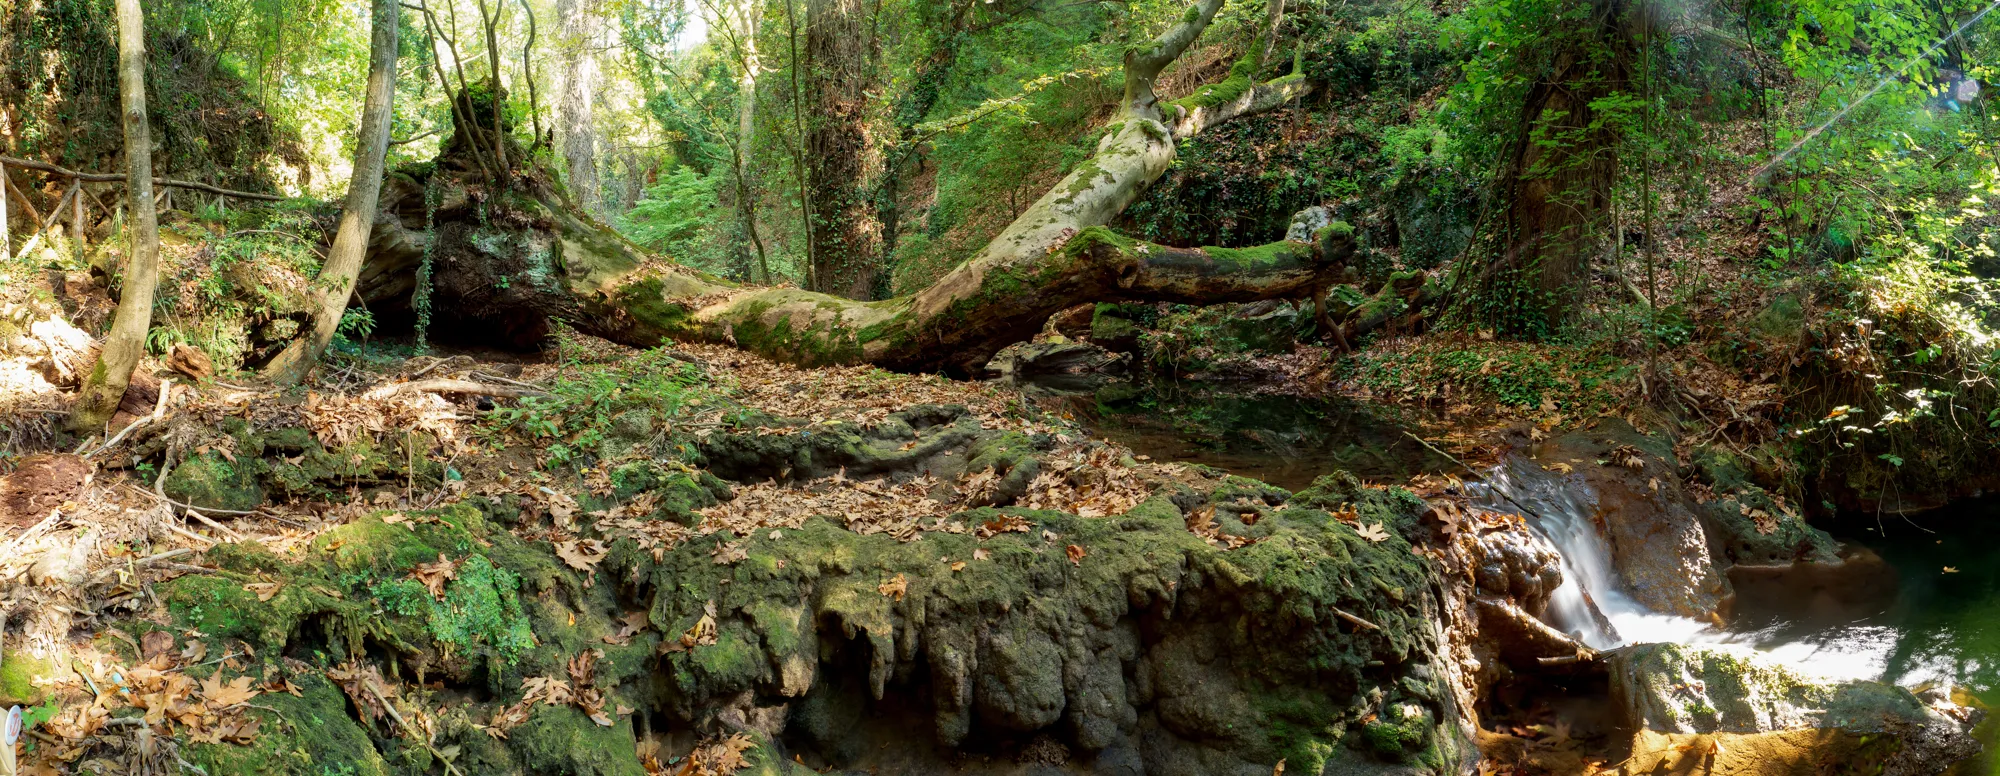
847 241
1557 185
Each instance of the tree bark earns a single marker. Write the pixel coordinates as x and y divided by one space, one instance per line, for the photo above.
847 241
576 110
335 284
126 342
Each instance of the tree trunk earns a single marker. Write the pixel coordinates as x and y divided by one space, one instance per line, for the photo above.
126 342
1558 185
839 152
576 109
335 284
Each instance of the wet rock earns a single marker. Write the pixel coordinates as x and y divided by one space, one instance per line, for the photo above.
1749 525
1269 327
1677 689
1116 326
1517 565
1658 544
1855 584
1307 223
1156 652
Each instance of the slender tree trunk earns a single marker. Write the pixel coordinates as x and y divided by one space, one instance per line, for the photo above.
746 133
917 101
528 74
847 240
492 24
576 110
335 283
126 342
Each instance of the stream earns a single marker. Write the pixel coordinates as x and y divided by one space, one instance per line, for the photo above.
1909 606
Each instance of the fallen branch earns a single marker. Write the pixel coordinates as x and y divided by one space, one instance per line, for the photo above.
172 503
109 177
35 239
108 574
207 521
448 385
54 516
407 727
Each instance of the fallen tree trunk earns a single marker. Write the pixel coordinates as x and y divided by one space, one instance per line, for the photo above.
548 263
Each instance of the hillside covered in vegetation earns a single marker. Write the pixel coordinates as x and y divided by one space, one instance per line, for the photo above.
998 387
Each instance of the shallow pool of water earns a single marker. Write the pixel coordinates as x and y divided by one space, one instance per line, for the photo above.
1283 440
1936 618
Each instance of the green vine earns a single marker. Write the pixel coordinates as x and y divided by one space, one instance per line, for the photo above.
420 298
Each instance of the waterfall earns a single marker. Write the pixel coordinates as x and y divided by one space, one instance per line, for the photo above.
1592 606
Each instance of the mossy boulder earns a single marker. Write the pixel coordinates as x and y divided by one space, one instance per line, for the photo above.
1672 688
215 481
311 734
1144 623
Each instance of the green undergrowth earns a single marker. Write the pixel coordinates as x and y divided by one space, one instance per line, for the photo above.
601 411
1532 377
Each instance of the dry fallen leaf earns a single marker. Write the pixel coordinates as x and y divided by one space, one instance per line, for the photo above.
219 695
264 590
895 587
1373 532
1075 554
582 555
434 575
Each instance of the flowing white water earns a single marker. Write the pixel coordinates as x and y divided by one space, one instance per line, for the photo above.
1593 607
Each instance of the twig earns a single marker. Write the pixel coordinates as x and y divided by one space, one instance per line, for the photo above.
205 520
413 138
171 502
1525 509
225 656
36 238
499 379
175 527
54 516
407 728
107 574
441 361
1345 615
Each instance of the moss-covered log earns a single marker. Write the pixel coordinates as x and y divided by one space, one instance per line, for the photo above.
504 263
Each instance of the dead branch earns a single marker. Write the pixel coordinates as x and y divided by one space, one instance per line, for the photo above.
109 177
448 385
